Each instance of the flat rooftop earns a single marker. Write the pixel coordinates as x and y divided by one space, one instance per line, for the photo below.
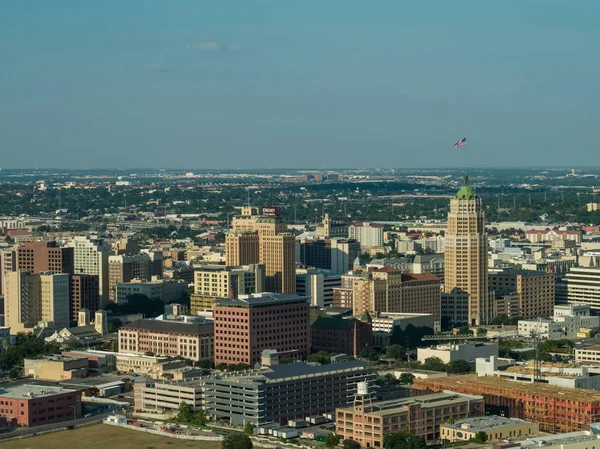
300 369
484 423
455 383
28 391
441 399
260 299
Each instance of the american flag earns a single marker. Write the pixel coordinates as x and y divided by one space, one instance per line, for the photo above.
461 143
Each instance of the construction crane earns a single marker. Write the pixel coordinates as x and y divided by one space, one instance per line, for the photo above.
536 336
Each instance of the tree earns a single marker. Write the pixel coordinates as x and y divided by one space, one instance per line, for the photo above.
464 330
199 418
458 367
87 393
369 354
249 428
332 440
480 437
322 357
481 332
434 364
351 444
451 420
185 413
204 364
403 440
396 352
237 441
406 379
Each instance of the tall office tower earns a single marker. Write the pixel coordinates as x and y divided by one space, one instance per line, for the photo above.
8 263
343 254
90 256
247 325
35 297
47 257
367 234
85 294
263 239
278 254
23 307
241 248
55 289
466 296
125 268
335 254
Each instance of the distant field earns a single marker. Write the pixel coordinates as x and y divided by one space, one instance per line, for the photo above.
103 436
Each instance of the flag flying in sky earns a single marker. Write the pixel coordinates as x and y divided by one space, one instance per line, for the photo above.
461 143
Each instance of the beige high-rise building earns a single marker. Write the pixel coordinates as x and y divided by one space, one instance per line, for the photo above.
466 297
264 240
218 281
241 248
31 298
55 299
278 254
22 303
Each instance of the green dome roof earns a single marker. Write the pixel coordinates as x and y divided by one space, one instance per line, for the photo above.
466 193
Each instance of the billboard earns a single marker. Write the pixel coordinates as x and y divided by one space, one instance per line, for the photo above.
269 211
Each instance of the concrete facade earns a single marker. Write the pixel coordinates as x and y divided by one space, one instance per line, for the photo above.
284 392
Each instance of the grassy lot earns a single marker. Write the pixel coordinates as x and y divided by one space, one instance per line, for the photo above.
103 436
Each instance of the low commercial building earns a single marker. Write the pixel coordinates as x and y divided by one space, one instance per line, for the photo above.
495 428
146 365
568 320
283 392
168 338
99 362
458 351
56 367
166 291
567 377
384 324
556 409
368 423
583 439
588 354
166 397
34 405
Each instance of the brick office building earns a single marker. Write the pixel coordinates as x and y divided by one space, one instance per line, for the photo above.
341 336
34 405
45 257
247 325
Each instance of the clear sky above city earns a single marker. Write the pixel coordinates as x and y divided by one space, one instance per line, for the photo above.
253 84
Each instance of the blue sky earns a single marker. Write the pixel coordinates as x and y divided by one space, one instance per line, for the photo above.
339 83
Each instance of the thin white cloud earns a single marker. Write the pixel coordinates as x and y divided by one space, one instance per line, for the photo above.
206 46
156 68
234 47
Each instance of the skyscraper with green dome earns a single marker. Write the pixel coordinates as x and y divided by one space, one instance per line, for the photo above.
466 296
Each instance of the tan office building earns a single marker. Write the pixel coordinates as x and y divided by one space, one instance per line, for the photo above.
535 290
31 298
218 281
465 260
168 338
368 423
257 239
390 291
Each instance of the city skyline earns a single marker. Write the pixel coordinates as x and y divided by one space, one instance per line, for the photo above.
226 85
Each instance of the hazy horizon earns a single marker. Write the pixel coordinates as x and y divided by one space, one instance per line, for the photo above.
252 85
